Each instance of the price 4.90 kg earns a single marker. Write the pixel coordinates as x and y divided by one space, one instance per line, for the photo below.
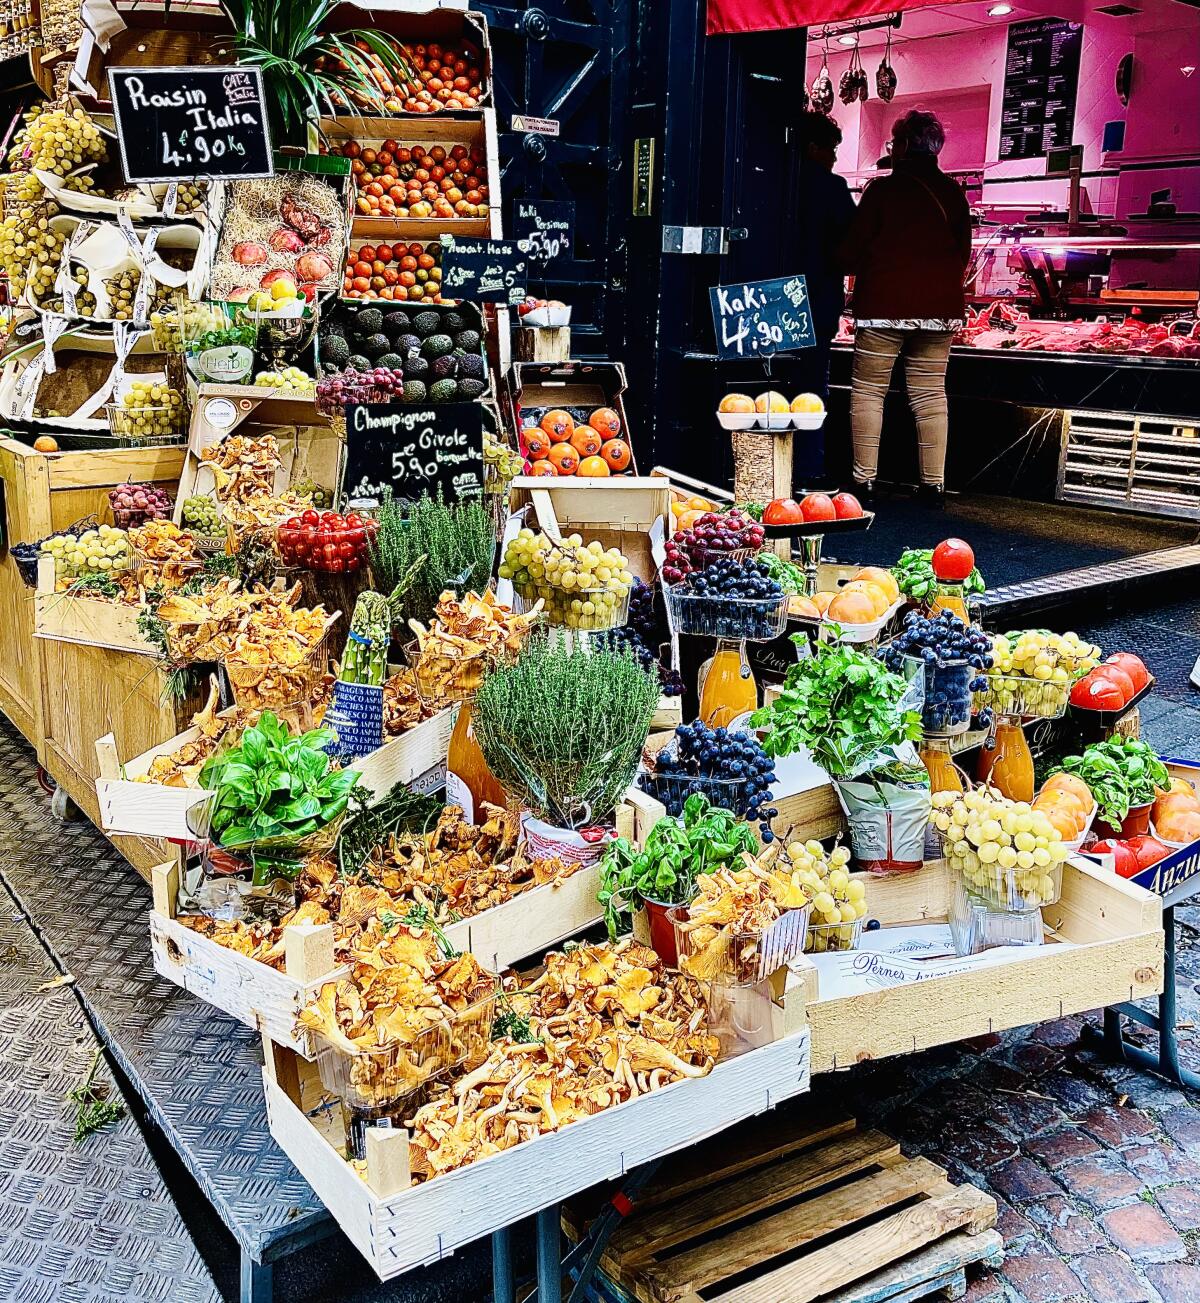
205 150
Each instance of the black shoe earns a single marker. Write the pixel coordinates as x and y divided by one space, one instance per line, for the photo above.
864 491
932 497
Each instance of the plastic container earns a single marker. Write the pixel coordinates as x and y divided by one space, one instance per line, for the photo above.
808 420
749 957
568 610
274 686
774 421
440 679
975 926
737 420
830 938
756 619
674 789
1008 890
1014 694
146 427
334 405
948 696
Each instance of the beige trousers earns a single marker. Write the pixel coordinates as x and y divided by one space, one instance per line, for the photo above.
925 354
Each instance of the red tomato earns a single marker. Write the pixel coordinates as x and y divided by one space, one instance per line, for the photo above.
783 511
1115 674
1148 850
1133 665
818 506
953 560
310 517
1124 860
847 506
1094 693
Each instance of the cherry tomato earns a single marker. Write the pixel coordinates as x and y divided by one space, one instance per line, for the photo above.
953 560
311 517
293 523
353 518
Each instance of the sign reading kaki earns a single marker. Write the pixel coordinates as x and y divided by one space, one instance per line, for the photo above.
759 318
184 124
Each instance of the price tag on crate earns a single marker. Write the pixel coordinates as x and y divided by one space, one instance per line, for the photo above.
761 318
545 226
414 450
483 271
177 124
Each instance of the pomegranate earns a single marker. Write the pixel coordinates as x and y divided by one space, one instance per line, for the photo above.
239 295
285 240
279 274
249 253
314 267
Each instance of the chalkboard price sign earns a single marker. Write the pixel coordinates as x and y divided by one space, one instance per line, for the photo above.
1041 82
546 226
761 318
483 271
177 124
414 450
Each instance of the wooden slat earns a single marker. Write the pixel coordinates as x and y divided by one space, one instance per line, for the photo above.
635 1243
868 1250
912 1276
750 1245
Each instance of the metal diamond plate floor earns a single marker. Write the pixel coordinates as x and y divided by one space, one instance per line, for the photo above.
87 1223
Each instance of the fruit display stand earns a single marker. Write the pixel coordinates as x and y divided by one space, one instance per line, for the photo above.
577 387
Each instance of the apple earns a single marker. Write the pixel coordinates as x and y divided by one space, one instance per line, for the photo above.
847 506
818 506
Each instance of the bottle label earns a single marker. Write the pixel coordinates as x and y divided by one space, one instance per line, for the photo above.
458 793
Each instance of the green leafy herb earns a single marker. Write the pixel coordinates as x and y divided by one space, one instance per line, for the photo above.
564 728
370 826
702 839
508 1022
842 705
94 1109
420 919
97 585
1120 773
422 549
275 786
788 575
914 574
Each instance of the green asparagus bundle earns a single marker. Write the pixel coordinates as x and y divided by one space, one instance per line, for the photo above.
365 658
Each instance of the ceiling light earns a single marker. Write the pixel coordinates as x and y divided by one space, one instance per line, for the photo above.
998 11
847 39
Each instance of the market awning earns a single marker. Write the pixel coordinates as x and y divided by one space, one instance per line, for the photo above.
731 16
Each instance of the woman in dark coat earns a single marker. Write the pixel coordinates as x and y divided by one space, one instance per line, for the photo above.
908 247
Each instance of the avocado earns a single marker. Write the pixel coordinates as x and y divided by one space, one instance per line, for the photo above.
393 361
329 368
416 366
453 321
444 367
335 349
467 340
357 362
472 365
436 345
376 345
470 389
396 323
415 391
408 344
368 322
425 323
443 391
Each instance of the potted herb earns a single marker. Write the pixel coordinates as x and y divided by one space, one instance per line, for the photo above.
703 839
562 728
219 349
276 796
857 721
1122 775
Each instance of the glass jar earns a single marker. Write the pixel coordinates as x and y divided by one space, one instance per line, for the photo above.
944 774
1007 763
469 781
950 597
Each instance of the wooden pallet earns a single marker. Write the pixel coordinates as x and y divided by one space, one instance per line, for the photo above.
791 1208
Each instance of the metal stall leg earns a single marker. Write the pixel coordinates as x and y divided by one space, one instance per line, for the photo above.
549 1255
257 1281
502 1266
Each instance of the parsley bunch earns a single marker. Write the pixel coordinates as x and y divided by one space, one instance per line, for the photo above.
843 705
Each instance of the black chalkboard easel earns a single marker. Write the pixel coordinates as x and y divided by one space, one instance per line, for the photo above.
413 450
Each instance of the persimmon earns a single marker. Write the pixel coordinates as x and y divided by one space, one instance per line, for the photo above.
591 467
559 425
616 453
564 458
587 442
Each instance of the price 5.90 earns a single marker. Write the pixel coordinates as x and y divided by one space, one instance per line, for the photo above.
544 245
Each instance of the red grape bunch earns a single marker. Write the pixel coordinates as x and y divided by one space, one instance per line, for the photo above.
712 536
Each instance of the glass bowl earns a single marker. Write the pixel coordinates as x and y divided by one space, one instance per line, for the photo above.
744 957
1014 694
756 619
587 609
829 938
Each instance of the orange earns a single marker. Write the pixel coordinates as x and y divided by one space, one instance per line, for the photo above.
821 601
616 453
559 425
1069 783
605 422
771 401
1062 823
543 468
807 403
564 458
851 608
537 442
736 403
593 466
586 441
45 443
805 608
884 578
699 504
879 599
688 518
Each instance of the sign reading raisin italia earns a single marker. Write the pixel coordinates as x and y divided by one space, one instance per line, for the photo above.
184 124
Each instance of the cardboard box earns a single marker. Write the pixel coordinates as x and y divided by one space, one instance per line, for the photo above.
577 387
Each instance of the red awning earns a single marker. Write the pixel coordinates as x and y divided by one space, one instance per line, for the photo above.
728 16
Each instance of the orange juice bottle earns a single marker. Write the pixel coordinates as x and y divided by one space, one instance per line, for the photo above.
943 774
950 597
1007 763
729 686
469 781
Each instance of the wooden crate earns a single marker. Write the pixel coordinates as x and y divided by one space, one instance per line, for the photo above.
145 809
802 1208
42 493
435 129
93 621
416 758
397 1226
1116 954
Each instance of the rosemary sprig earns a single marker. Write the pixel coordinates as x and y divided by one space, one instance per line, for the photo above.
93 1108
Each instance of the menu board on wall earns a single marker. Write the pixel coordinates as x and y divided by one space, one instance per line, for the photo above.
1041 80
